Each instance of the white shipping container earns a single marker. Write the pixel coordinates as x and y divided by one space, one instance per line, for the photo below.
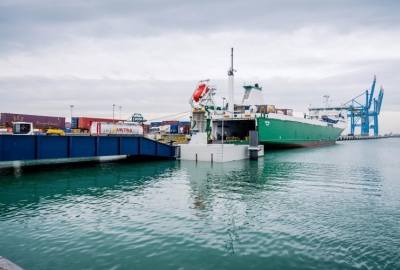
167 128
115 129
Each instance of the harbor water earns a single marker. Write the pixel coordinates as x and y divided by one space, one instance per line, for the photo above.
333 207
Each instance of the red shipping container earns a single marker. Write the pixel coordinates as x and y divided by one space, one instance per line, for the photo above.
183 129
170 122
84 123
146 129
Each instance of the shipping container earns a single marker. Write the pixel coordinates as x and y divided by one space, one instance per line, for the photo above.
84 123
183 129
38 121
173 129
74 123
156 124
170 122
146 128
167 129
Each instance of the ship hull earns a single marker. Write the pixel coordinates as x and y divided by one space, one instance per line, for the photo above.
276 131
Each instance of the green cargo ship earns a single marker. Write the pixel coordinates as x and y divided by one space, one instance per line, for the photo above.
275 131
277 128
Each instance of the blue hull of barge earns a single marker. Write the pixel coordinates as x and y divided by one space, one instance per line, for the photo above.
18 147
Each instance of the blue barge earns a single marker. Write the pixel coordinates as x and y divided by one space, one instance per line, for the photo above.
18 147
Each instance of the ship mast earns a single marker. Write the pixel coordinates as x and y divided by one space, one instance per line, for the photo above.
326 101
230 85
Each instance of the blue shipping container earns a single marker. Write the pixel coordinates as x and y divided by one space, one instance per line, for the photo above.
74 122
155 124
174 129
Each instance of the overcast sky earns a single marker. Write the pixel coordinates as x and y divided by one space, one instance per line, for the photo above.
148 56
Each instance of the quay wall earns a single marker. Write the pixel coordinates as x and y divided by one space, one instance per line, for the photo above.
359 137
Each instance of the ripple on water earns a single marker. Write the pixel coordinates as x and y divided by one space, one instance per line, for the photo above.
292 209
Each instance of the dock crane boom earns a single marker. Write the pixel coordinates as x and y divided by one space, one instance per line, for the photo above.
359 112
369 101
379 103
377 110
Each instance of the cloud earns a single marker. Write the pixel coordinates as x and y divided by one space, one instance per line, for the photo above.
42 23
147 56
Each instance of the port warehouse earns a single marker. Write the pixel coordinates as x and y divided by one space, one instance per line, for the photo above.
82 124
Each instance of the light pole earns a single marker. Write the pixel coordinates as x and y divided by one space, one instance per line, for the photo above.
113 112
223 116
71 113
120 112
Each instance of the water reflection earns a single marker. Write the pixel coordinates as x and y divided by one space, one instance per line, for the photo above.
235 194
233 238
238 180
43 184
248 195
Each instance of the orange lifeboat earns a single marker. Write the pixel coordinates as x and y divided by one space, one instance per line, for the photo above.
200 91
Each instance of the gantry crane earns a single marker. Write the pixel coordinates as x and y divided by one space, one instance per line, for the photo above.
361 115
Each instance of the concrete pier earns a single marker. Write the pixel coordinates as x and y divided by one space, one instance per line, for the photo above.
359 137
7 265
199 150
